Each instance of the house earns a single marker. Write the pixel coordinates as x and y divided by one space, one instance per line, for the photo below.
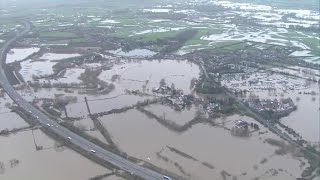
242 124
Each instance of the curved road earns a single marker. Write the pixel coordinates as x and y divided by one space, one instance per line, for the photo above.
63 132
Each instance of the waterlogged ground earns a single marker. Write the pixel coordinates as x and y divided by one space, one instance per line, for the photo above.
52 163
179 117
133 53
20 159
146 75
199 151
305 120
20 54
205 144
42 66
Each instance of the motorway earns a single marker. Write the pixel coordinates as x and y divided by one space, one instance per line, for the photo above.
63 132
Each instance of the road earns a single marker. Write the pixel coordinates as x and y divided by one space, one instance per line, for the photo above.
63 132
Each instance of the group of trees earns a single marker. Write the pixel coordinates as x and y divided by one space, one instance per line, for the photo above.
92 82
208 86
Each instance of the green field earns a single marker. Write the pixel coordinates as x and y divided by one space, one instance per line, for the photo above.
158 35
203 32
57 34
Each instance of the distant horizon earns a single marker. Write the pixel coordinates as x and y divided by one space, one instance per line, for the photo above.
292 4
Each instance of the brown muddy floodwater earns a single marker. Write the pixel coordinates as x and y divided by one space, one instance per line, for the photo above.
206 152
143 137
11 120
51 163
306 119
134 74
166 112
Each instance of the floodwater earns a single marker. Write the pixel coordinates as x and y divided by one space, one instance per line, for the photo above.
50 163
54 56
307 56
272 15
159 30
168 113
31 68
20 54
102 104
143 137
87 125
275 36
306 119
133 53
315 59
114 103
134 75
71 76
109 21
37 68
11 120
301 53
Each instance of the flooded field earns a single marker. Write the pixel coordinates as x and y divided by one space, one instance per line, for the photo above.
37 68
205 144
211 147
102 104
20 54
52 162
133 53
70 76
88 127
19 157
43 66
54 56
159 30
179 117
125 76
143 74
10 120
306 119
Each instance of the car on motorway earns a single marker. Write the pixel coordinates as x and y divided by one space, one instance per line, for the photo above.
49 125
166 177
93 151
69 138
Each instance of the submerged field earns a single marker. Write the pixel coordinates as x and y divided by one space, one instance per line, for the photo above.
164 85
